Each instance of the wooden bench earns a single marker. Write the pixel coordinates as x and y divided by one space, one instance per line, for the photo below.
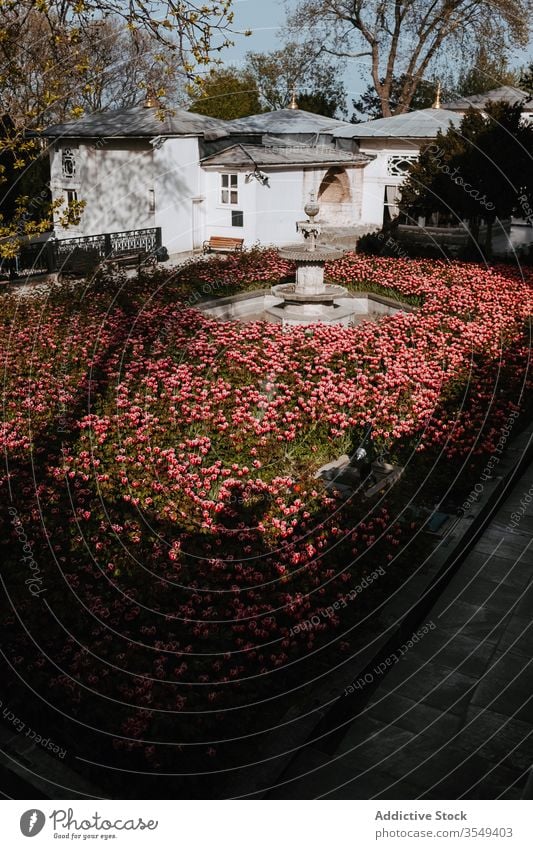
223 244
80 262
133 258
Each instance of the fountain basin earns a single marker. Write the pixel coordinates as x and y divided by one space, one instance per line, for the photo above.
309 299
291 293
320 255
262 305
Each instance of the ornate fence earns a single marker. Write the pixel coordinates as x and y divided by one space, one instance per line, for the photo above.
33 257
52 255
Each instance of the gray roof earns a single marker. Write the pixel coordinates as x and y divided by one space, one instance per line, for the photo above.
420 124
508 93
285 121
248 155
140 122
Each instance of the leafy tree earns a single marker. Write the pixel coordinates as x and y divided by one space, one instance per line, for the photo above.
406 38
298 68
490 69
61 57
108 66
478 171
331 104
226 93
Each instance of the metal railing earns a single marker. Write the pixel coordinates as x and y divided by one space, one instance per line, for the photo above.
51 256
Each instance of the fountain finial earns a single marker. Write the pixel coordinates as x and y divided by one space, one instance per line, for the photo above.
436 103
312 208
310 228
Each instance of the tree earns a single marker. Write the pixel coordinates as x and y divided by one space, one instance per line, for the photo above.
108 67
480 170
406 38
60 57
490 69
369 104
526 79
189 29
300 69
226 93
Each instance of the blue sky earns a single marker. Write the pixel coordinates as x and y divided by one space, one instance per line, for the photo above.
265 17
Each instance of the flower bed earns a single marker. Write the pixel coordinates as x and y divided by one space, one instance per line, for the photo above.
183 536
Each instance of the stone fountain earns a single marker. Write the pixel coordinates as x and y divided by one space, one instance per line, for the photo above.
310 299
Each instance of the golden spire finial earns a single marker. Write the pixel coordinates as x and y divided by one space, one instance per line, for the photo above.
293 104
436 104
150 101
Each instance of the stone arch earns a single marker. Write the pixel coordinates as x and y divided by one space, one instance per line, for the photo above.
335 187
335 198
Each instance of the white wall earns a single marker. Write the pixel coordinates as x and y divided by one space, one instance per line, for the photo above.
114 182
178 183
376 177
217 216
115 179
271 213
281 206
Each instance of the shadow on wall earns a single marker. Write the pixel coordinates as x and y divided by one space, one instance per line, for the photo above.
129 190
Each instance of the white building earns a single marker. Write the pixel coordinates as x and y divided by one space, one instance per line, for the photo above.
196 177
508 93
394 143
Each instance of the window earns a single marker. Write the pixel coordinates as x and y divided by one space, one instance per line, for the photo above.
390 203
71 195
399 163
237 218
68 163
151 200
229 192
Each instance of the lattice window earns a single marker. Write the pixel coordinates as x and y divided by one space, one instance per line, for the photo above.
68 163
398 164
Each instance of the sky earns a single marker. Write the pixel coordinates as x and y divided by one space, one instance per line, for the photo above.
265 17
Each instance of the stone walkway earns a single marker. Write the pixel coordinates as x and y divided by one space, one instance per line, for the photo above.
453 717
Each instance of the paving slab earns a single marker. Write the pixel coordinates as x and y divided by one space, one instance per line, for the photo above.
453 718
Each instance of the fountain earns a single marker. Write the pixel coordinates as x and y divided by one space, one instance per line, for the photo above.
310 299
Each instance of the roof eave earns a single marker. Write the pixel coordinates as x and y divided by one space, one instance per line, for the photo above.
216 166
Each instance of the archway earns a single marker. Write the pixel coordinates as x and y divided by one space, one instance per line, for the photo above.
335 197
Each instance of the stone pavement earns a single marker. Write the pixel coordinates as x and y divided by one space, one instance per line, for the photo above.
453 716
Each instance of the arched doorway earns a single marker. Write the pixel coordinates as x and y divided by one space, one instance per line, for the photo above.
335 197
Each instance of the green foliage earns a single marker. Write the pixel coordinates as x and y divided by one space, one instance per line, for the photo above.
481 170
59 58
268 82
297 68
329 103
368 105
490 69
226 93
